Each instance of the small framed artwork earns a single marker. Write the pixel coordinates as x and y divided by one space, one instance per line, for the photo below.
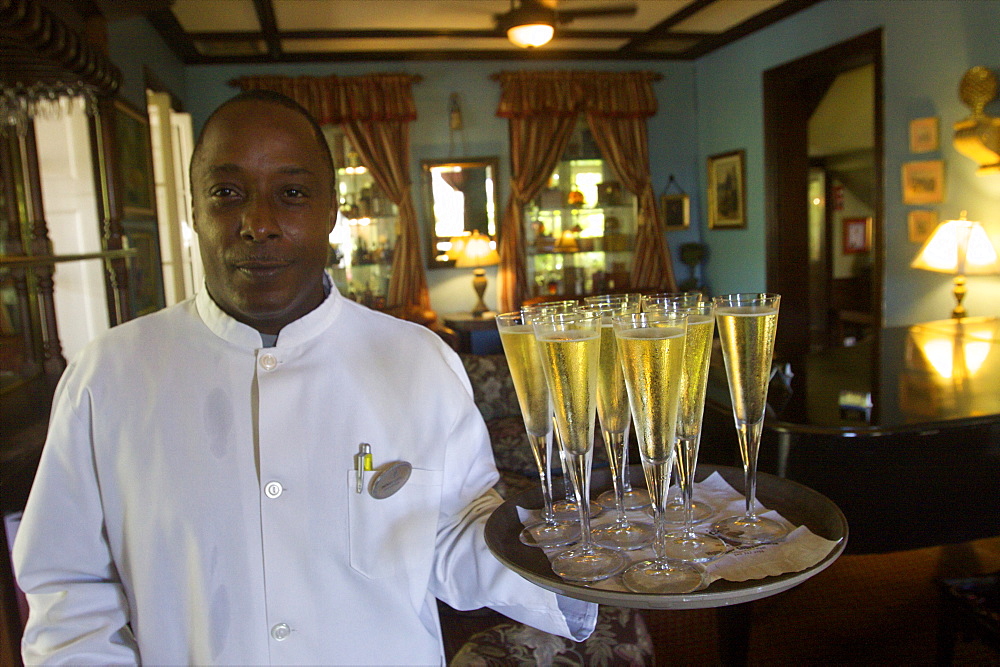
923 182
857 235
145 278
727 191
920 224
676 211
924 136
135 158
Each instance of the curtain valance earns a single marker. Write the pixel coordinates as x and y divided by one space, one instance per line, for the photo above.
342 99
567 93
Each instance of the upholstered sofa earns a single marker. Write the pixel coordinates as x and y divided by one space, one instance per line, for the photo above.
485 638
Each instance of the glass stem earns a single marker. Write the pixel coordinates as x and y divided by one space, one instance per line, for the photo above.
614 443
749 437
579 472
627 482
658 485
687 454
541 446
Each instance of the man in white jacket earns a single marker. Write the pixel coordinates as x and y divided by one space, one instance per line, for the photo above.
197 498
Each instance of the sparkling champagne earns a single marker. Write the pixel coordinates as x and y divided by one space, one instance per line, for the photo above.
525 362
570 360
653 361
747 336
697 355
612 397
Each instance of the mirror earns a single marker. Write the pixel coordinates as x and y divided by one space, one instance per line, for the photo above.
461 197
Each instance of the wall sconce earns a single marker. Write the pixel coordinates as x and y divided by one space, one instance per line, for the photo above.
978 136
475 251
960 247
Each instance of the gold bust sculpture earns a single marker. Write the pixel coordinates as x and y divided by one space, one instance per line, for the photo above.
978 136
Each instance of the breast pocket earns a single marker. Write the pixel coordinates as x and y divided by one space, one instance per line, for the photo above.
391 533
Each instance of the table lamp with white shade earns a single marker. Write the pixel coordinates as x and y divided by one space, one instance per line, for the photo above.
475 251
959 247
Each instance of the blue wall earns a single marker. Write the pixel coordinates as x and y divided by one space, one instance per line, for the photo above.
671 130
133 45
928 46
711 106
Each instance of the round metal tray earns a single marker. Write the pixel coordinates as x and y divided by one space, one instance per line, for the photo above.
799 504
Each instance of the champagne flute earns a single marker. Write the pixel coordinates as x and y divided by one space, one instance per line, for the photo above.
570 345
651 346
689 544
747 325
564 509
615 418
521 350
650 302
633 499
677 509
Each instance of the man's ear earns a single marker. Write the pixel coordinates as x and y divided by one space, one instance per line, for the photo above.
333 219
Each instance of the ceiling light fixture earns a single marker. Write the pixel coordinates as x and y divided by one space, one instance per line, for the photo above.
529 25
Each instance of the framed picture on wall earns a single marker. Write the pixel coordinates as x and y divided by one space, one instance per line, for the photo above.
924 136
857 235
135 158
676 211
920 223
145 279
923 182
727 191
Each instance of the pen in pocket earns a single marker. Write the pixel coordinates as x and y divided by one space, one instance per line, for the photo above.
362 462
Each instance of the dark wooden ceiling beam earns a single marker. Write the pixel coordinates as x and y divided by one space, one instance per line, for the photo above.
243 36
268 26
762 20
661 42
662 30
165 23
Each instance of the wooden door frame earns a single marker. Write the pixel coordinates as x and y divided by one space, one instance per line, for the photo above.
787 107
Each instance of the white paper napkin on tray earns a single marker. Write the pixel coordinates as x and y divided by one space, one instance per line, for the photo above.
800 549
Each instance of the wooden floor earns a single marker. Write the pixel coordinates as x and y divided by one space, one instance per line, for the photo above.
878 609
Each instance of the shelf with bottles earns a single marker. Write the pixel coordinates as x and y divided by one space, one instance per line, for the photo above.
362 240
361 256
581 233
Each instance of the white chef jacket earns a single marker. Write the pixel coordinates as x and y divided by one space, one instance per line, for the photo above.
196 501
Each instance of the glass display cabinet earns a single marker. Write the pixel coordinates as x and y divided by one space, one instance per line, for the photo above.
361 244
581 229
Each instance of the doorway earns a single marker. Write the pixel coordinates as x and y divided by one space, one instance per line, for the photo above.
824 207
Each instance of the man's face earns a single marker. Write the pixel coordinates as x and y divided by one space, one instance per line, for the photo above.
263 210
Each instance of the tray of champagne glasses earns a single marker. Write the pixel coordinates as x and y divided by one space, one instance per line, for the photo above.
798 504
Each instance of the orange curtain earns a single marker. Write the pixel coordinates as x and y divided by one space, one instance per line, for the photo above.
536 144
376 111
542 108
619 128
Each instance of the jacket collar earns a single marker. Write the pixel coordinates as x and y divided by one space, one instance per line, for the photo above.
301 330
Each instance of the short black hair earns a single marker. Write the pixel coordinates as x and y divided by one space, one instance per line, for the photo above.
281 100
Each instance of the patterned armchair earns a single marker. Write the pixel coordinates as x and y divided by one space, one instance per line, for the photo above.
484 638
496 399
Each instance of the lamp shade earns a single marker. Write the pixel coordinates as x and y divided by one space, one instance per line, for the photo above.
475 250
530 35
528 25
958 247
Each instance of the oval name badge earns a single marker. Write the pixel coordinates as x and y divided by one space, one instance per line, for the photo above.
389 479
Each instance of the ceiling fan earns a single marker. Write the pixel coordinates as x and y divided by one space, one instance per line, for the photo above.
531 23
